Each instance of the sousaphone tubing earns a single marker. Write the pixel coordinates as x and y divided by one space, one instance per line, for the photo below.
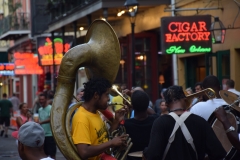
100 56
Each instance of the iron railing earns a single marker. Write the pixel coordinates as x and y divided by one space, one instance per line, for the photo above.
61 8
19 21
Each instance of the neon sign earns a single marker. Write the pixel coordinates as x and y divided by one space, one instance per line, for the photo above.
45 50
7 69
26 63
192 49
188 34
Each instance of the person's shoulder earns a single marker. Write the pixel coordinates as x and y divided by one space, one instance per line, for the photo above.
194 117
49 106
80 116
163 118
199 104
153 116
81 112
128 121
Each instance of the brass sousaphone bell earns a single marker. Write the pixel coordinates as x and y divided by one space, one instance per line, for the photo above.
100 56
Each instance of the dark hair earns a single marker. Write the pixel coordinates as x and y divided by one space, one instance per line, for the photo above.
198 84
43 95
211 82
50 94
21 105
230 83
161 101
98 85
4 95
140 101
173 93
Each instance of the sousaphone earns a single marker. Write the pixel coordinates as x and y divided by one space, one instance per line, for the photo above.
100 56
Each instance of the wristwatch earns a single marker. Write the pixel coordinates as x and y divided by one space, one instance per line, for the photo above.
230 129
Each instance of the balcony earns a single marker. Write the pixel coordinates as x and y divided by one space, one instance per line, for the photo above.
60 8
14 26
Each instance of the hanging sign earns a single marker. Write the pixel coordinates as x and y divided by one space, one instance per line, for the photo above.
45 49
187 34
26 63
6 69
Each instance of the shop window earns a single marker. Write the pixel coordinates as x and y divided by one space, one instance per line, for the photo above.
195 70
143 64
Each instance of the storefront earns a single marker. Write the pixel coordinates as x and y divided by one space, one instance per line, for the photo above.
223 60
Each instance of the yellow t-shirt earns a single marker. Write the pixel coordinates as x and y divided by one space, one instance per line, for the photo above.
88 128
117 99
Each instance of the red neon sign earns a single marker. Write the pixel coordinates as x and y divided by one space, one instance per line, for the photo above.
26 63
186 31
6 66
7 69
46 51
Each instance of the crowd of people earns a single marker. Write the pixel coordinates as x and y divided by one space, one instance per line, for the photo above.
168 130
41 109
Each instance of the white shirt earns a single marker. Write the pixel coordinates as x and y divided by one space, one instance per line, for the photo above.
205 109
234 91
48 158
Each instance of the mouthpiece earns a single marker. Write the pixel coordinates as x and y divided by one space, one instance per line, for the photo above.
112 104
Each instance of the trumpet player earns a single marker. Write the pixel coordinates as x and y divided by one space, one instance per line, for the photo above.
205 109
89 132
181 135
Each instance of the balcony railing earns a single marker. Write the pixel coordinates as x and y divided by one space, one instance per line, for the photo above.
19 21
61 8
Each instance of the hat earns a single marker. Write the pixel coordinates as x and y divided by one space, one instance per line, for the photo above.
31 134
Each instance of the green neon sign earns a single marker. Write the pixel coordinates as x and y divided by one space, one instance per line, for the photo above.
192 49
175 50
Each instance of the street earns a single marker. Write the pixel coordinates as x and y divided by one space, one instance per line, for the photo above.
9 151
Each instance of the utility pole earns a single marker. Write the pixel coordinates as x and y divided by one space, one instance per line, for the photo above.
174 56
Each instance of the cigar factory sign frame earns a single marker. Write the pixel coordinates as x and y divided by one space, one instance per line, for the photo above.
187 34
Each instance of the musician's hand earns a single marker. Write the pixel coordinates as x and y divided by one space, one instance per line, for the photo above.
119 141
127 92
120 114
220 113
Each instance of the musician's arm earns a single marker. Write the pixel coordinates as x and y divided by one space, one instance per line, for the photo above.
233 135
86 151
214 148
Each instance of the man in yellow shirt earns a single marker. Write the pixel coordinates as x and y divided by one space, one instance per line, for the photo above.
89 132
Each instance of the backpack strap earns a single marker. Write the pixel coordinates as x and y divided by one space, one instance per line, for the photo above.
180 123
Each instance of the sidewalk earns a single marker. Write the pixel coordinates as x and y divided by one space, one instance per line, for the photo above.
9 150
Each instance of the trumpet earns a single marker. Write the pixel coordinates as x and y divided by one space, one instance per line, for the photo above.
210 93
115 91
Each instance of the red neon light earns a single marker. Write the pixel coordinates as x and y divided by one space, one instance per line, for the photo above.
185 31
1 67
26 63
6 67
9 67
46 52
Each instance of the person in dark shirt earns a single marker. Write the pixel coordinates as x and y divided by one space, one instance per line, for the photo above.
139 127
204 140
6 111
